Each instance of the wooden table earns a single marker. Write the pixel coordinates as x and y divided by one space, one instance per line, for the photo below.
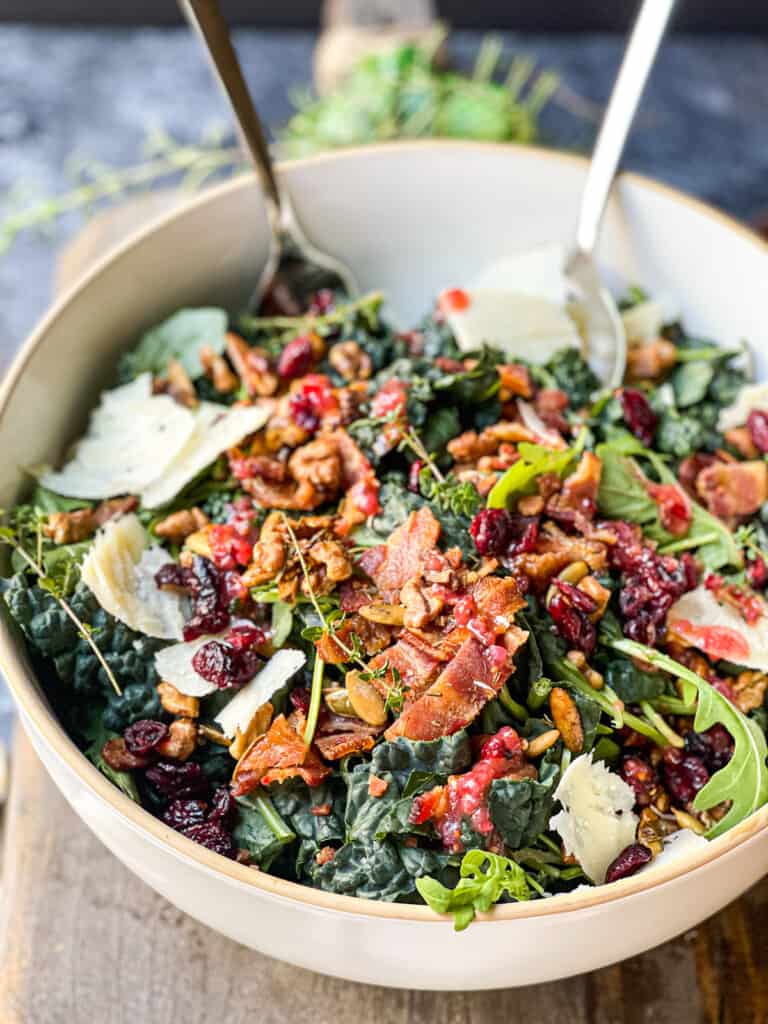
82 941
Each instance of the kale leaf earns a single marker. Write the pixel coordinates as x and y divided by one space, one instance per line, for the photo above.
384 870
260 830
631 683
52 634
521 808
298 806
573 375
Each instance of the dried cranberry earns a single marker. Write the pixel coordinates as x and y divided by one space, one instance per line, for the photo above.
714 747
630 860
181 814
525 533
295 359
184 781
143 736
315 398
210 614
301 698
650 583
215 661
303 413
572 624
757 572
491 531
213 837
638 415
641 776
684 775
117 756
223 808
413 475
244 635
757 421
175 577
578 598
322 302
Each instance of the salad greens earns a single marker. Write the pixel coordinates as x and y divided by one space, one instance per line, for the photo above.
437 625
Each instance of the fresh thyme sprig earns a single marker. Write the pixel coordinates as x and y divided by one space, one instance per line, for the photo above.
167 158
9 537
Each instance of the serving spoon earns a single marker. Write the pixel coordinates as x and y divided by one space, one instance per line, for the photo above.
596 309
295 266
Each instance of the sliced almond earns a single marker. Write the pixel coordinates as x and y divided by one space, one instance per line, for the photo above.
366 701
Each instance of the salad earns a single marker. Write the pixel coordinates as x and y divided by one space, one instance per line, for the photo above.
403 615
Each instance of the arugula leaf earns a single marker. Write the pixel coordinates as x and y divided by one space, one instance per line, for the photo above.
521 808
483 879
622 495
744 780
179 337
534 460
48 501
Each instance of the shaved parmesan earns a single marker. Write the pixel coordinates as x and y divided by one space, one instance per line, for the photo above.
149 445
174 665
597 821
133 435
522 326
237 714
719 630
216 429
536 272
644 321
120 571
750 396
534 422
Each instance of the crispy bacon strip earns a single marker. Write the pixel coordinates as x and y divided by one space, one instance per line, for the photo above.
457 696
416 667
497 599
402 555
278 755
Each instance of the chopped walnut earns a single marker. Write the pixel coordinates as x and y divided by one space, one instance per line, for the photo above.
317 462
531 505
749 690
179 525
177 703
179 386
350 361
651 360
70 527
515 380
329 553
216 368
181 740
251 366
599 594
282 430
269 552
740 438
421 605
119 757
113 508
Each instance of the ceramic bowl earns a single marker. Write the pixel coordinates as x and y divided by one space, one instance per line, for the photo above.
410 219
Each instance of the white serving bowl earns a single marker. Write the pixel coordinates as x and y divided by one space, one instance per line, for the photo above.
411 219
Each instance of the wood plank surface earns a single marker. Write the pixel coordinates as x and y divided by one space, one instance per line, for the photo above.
82 941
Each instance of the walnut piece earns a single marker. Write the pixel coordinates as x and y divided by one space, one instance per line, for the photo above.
177 703
350 361
181 740
179 525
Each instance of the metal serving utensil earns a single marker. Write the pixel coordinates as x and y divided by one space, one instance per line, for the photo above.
595 307
293 261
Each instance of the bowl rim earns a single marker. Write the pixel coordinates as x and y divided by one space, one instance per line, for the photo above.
34 708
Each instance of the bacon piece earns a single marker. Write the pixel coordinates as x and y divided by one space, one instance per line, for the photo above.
354 595
584 482
403 553
333 748
733 488
675 511
416 666
497 599
372 635
278 755
456 697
